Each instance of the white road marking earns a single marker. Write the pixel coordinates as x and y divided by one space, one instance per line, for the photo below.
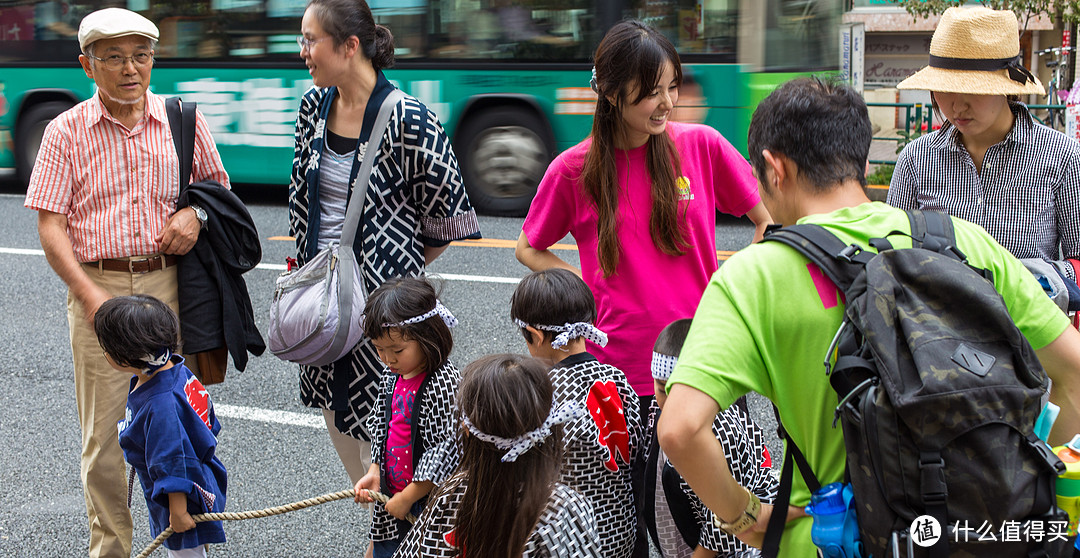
22 251
267 415
281 267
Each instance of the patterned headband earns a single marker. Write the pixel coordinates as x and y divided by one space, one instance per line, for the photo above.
566 412
439 309
663 366
570 331
155 362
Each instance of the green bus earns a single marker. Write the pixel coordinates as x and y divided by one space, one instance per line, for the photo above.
508 78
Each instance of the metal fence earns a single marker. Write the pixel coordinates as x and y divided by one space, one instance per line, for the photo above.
917 120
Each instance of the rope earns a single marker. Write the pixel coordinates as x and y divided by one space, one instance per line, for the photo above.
267 512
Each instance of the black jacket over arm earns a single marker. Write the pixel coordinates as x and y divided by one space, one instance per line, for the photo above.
215 309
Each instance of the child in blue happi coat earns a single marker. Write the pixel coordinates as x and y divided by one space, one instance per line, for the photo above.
169 431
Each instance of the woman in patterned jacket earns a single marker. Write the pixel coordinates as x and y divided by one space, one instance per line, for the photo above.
555 311
412 425
415 203
506 500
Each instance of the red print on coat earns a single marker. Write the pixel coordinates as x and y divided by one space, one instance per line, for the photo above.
766 462
451 539
606 408
198 398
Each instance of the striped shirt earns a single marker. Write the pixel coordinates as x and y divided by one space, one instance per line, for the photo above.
117 187
1027 195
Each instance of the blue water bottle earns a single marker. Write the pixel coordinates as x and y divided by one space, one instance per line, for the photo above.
835 530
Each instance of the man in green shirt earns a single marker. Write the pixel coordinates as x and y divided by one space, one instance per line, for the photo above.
768 315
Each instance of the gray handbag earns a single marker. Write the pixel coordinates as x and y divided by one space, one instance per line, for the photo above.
316 310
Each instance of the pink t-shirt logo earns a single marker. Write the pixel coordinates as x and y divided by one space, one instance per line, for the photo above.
606 408
683 184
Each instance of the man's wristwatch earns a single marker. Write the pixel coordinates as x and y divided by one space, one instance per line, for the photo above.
745 521
200 214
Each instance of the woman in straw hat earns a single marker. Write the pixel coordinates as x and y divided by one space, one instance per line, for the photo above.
990 163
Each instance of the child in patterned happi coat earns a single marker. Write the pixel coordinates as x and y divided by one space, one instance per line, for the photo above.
678 522
506 500
169 431
555 310
411 423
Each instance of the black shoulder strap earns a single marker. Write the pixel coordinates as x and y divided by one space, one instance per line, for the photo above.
770 548
182 125
931 230
840 262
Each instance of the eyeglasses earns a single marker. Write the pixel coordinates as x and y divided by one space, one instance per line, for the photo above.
308 43
115 62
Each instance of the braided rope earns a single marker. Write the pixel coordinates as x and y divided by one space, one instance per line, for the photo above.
267 512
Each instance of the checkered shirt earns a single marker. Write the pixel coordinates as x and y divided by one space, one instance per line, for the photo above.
1027 195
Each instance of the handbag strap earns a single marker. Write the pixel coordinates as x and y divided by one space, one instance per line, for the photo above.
346 282
355 209
182 125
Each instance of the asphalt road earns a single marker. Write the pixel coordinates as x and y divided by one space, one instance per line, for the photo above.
276 450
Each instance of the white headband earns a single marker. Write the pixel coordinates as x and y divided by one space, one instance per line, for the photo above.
663 366
439 309
155 362
566 412
570 331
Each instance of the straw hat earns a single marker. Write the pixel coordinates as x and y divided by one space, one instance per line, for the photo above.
975 51
114 22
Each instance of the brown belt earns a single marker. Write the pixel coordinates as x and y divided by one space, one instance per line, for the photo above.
144 265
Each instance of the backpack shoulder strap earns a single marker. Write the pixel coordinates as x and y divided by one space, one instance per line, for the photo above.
931 230
840 262
770 548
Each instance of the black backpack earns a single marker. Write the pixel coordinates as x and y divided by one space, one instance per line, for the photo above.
938 393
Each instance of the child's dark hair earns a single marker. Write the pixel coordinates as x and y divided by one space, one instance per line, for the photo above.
399 299
130 328
672 337
552 297
504 395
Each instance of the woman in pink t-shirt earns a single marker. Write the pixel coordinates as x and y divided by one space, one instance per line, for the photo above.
640 197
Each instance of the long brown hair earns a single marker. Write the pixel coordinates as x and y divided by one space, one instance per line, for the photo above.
631 57
504 395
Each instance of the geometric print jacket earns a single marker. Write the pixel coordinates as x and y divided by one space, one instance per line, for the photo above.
751 466
600 446
565 528
433 429
415 198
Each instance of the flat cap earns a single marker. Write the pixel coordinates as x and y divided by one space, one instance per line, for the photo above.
114 22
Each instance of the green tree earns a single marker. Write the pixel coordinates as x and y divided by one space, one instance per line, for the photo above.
1062 12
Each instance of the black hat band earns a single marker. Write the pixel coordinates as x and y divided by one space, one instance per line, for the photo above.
1017 72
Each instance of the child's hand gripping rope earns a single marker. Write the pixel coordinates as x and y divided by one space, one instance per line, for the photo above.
267 512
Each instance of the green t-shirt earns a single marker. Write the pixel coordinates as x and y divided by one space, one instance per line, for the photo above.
768 315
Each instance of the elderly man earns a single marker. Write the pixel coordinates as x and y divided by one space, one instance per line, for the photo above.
764 322
105 186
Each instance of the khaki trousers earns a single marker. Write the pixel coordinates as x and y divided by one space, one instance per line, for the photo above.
101 394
